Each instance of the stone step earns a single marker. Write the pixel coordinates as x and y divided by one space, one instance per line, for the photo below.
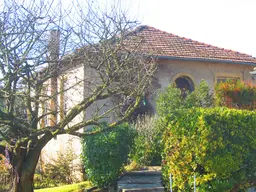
145 180
132 187
145 173
140 179
135 185
152 189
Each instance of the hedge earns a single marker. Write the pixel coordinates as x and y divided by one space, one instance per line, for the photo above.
105 154
217 145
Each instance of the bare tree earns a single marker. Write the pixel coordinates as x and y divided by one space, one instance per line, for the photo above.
59 83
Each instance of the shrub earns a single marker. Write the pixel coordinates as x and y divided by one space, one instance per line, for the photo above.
171 99
104 154
5 176
147 143
217 145
62 169
236 94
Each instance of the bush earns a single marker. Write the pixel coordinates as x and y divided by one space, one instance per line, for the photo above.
171 99
5 176
236 94
104 154
60 170
217 145
147 143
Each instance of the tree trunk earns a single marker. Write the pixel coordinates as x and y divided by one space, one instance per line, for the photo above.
26 182
22 183
24 163
22 175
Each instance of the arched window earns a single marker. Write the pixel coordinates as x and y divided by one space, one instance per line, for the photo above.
184 81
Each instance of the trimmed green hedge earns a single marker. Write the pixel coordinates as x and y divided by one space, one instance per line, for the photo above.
105 154
217 145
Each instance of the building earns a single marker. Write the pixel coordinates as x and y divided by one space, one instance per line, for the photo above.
180 60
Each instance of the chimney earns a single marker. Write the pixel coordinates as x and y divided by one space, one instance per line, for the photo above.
54 45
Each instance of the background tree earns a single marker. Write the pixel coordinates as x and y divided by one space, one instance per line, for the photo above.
95 40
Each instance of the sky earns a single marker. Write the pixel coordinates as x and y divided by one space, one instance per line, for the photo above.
229 24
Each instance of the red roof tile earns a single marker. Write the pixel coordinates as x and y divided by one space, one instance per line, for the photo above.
162 44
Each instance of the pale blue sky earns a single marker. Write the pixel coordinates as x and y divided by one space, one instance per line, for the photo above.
229 24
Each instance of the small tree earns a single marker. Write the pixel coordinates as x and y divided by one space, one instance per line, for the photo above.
171 99
64 168
147 146
31 67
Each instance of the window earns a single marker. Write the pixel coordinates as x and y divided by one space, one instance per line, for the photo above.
222 77
184 81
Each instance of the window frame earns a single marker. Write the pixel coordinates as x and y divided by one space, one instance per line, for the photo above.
227 76
184 74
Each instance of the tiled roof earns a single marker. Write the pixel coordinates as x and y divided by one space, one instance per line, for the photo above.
167 45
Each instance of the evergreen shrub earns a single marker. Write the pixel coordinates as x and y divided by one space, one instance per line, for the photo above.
147 145
216 145
105 154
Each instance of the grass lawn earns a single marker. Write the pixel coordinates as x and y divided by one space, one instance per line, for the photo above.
77 187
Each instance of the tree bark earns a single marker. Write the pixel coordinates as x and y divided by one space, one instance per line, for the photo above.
26 181
22 174
24 165
22 182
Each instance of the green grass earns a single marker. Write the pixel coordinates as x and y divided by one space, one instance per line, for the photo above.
78 187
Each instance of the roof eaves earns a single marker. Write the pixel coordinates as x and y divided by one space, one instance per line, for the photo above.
207 60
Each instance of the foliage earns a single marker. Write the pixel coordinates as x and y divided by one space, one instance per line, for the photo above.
60 170
171 99
3 164
105 154
147 143
78 187
5 176
236 94
144 108
217 145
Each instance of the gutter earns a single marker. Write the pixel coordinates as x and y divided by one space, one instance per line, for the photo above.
206 60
